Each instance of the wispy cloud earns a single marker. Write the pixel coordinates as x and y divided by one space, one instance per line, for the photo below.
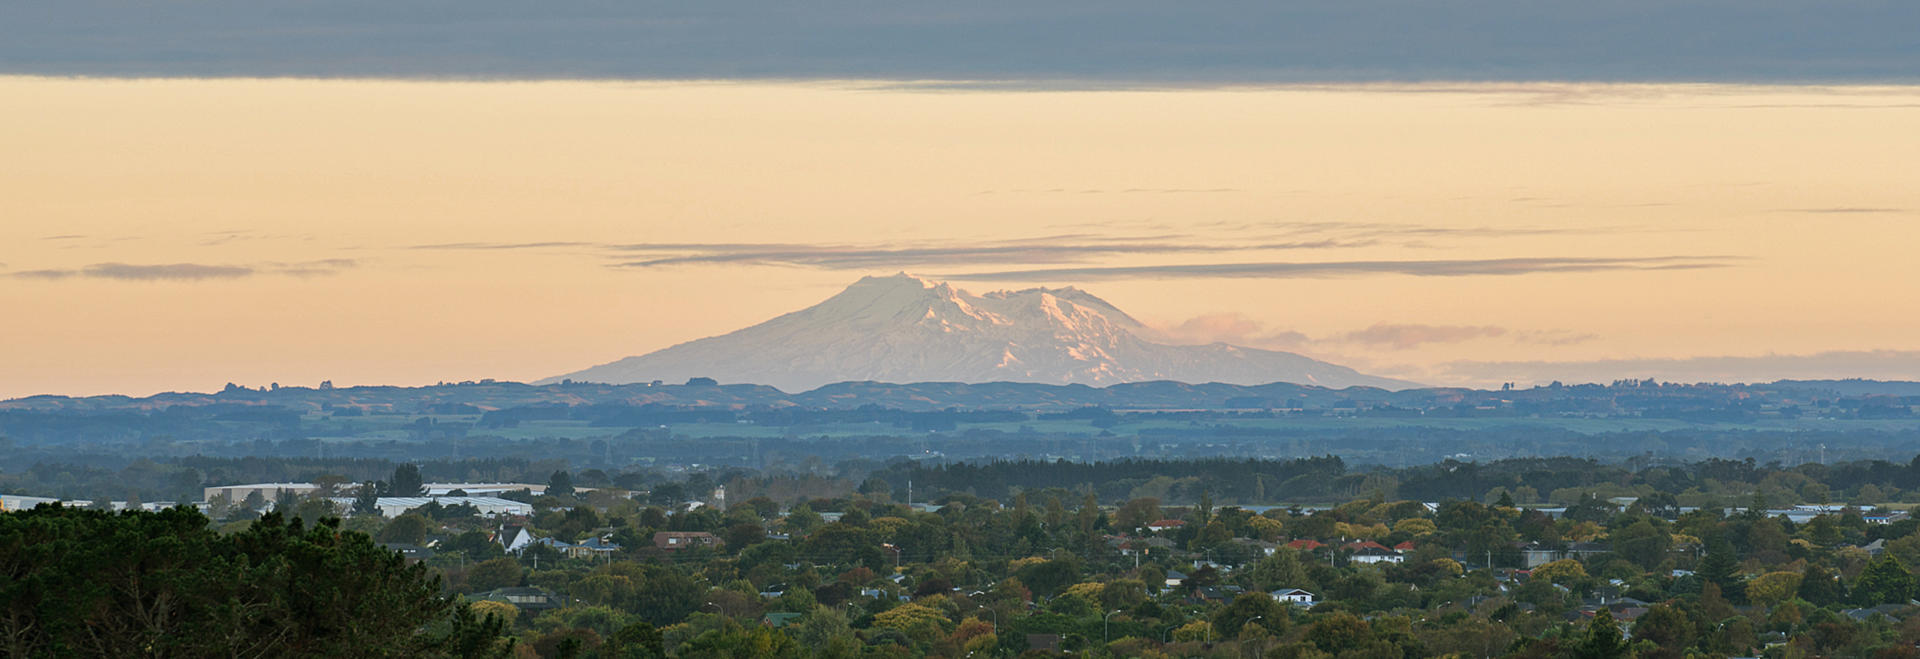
1116 191
1230 327
504 246
1845 210
1240 329
1084 247
187 271
217 238
861 257
1332 269
1404 336
1056 249
1870 364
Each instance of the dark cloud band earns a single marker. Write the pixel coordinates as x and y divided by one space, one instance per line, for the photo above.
1090 43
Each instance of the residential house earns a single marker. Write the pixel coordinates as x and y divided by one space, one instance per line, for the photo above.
1165 525
1293 596
412 553
780 619
1535 554
1129 546
1372 555
678 540
1885 517
513 538
596 547
527 599
1048 643
1265 548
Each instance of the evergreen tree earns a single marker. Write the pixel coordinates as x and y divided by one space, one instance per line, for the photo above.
366 500
1819 586
85 583
1884 581
560 484
406 482
1720 568
1602 640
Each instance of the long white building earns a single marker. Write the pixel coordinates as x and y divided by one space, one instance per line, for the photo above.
397 506
271 491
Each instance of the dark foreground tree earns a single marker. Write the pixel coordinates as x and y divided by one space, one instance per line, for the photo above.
88 583
406 482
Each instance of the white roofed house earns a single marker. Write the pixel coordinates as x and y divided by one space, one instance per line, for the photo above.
1294 596
513 538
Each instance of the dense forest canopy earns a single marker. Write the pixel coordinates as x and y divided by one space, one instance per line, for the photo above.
165 584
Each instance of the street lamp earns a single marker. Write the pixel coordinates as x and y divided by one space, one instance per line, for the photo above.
1104 636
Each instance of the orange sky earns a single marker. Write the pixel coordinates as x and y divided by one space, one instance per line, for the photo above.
297 208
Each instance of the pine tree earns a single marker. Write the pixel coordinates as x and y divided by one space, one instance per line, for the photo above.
560 484
1720 568
1884 581
1818 586
406 482
366 501
1603 638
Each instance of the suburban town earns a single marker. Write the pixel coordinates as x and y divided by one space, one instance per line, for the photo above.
575 570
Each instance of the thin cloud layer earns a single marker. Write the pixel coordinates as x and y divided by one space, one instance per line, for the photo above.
1070 248
187 271
1869 364
1239 329
845 258
1404 336
1230 327
1091 249
1329 269
1846 210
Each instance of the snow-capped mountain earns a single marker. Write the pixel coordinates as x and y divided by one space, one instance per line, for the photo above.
906 329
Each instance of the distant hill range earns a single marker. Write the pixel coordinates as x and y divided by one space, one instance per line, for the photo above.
906 329
1892 399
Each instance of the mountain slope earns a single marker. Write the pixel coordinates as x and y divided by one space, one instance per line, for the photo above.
905 329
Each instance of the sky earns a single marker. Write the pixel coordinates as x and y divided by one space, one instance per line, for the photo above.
213 192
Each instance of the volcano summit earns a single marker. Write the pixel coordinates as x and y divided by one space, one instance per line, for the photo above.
906 329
